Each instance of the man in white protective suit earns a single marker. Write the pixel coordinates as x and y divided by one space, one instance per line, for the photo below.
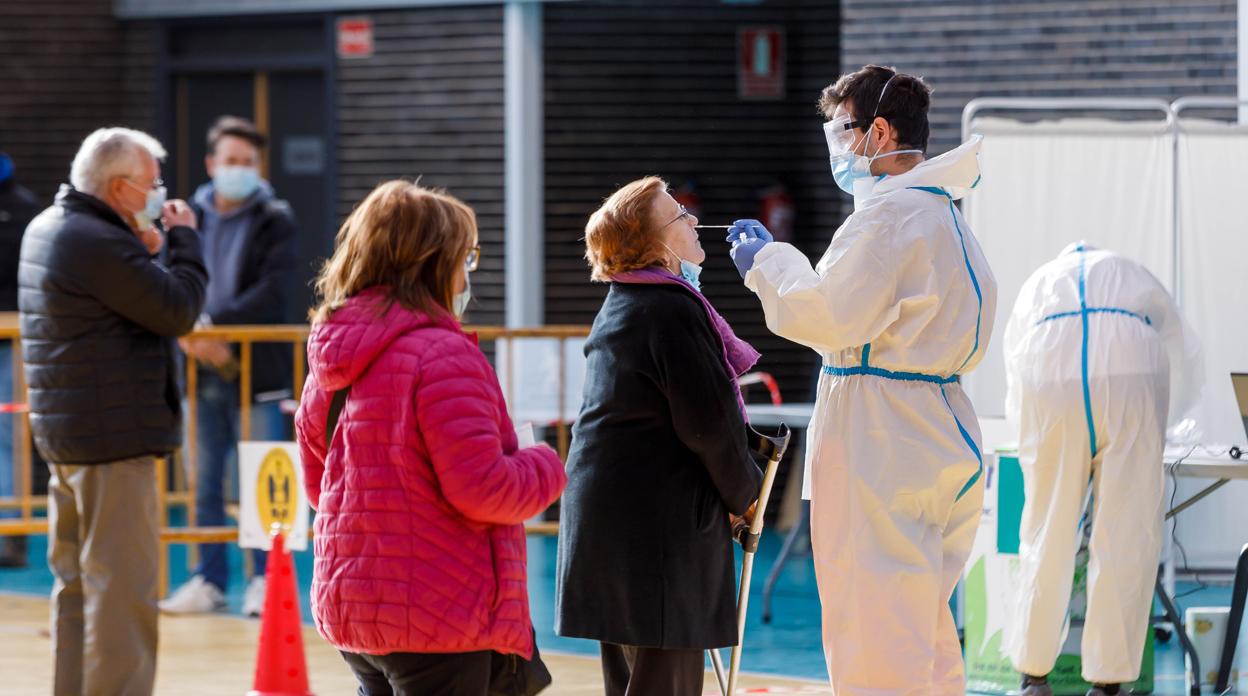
899 307
1096 357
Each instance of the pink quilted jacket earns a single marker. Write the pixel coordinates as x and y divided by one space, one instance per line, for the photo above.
420 499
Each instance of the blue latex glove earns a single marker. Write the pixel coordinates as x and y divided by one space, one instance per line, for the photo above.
752 229
743 253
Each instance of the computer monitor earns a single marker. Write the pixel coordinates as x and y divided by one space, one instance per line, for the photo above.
1239 381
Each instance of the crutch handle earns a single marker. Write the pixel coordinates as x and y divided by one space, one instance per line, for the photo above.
747 539
769 446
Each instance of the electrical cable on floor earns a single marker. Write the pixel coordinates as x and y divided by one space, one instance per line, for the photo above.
1173 470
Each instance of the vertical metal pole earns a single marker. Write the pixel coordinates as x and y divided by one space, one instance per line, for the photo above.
244 391
301 369
162 582
260 101
563 423
21 469
510 361
182 134
192 455
21 430
1243 60
1168 567
523 170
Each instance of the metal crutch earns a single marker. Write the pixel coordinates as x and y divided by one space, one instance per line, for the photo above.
773 449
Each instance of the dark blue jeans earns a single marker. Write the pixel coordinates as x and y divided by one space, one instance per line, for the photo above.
218 434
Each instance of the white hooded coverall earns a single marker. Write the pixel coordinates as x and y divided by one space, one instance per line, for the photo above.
899 306
1092 350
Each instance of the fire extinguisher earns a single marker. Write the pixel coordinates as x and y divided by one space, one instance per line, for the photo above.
776 211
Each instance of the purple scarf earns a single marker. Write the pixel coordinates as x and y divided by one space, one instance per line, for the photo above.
737 355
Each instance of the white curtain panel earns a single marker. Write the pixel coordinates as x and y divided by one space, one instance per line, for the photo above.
1110 183
1213 234
1050 183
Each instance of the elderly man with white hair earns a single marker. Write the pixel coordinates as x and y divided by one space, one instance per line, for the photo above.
99 317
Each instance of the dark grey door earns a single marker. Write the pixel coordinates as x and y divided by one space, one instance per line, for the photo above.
290 107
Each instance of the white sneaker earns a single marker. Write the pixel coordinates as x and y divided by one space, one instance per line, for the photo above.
253 599
196 596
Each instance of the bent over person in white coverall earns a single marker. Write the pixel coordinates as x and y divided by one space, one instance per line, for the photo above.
1096 356
899 307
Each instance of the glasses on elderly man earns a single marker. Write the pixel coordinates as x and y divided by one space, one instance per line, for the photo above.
156 183
474 259
683 214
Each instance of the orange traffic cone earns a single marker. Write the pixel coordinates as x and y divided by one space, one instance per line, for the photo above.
281 669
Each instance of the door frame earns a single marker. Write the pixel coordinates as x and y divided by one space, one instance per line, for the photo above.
324 61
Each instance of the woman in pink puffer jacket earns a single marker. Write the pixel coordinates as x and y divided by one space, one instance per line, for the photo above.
421 494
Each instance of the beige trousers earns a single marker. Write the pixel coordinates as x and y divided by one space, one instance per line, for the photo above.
104 545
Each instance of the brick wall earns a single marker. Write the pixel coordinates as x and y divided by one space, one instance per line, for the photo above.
1055 48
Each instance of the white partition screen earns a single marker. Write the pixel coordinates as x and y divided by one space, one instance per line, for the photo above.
1116 185
1050 183
1213 234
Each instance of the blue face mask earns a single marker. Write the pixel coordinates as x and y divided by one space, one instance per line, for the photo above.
235 183
690 272
851 170
846 169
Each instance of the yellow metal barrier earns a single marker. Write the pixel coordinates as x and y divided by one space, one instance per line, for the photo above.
185 478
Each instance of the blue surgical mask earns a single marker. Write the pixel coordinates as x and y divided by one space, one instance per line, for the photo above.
848 168
852 171
462 298
235 183
689 271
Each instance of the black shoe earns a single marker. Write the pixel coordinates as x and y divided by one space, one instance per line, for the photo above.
13 552
1105 690
1035 686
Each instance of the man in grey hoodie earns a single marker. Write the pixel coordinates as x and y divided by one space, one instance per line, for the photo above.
249 248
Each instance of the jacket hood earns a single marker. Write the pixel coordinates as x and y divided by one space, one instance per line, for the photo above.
342 348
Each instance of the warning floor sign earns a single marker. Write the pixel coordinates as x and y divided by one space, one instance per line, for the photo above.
271 495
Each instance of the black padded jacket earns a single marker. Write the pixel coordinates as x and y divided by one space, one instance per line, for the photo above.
99 317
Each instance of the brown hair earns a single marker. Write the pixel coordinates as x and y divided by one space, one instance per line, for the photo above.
402 236
621 236
237 127
905 104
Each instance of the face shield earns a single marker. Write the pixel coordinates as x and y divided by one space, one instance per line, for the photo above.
840 134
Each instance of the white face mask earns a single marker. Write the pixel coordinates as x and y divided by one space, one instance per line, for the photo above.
235 183
462 298
146 217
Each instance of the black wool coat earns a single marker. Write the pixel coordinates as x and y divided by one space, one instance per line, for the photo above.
659 457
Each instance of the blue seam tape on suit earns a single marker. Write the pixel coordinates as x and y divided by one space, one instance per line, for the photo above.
1098 310
979 317
1083 313
887 374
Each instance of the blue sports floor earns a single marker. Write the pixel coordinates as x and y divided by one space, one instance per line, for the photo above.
790 646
